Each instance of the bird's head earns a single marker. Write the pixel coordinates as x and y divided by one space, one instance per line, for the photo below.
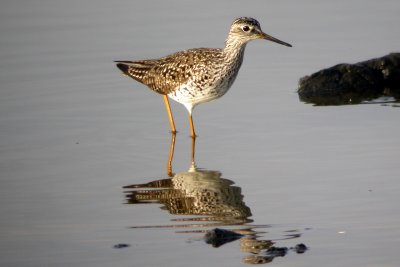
245 29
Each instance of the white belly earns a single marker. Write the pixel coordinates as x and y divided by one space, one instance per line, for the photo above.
191 95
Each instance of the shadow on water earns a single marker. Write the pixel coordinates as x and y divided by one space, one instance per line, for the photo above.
350 99
207 200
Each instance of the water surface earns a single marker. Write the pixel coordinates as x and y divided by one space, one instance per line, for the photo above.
74 132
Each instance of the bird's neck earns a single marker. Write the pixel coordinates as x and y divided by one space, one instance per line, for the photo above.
234 50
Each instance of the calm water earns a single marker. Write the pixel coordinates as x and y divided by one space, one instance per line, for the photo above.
74 132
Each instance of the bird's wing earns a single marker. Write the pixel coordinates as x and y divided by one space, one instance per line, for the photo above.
168 73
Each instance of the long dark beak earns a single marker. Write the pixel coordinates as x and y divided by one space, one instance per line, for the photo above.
265 36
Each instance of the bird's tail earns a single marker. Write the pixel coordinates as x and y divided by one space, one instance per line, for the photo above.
136 69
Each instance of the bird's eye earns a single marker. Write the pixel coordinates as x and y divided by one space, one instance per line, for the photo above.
246 28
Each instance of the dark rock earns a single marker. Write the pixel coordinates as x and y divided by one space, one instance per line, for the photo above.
300 248
217 237
121 245
277 251
389 66
273 252
353 83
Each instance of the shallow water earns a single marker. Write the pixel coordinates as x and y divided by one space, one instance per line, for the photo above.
74 132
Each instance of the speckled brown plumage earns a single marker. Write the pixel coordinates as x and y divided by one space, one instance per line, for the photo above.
195 76
166 74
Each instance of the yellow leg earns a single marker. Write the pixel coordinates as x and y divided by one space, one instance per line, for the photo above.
193 149
192 132
171 155
170 117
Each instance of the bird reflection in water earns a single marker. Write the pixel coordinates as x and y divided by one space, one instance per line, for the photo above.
194 192
213 201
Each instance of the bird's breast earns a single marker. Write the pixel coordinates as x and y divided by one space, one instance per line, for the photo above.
199 91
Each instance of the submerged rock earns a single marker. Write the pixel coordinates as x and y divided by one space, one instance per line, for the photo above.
273 252
217 237
353 83
276 251
300 248
121 245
